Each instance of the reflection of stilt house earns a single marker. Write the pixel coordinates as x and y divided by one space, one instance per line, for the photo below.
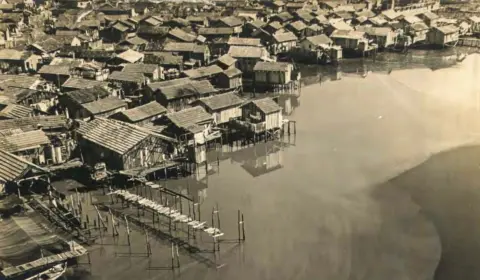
276 77
260 159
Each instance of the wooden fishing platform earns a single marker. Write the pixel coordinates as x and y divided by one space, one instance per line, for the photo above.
76 250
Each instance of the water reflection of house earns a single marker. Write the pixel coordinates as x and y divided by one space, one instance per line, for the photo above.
260 159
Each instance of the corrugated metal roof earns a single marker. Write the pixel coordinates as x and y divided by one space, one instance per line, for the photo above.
116 136
145 111
222 101
13 111
23 141
189 117
11 166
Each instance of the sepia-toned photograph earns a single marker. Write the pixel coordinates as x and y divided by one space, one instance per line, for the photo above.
239 139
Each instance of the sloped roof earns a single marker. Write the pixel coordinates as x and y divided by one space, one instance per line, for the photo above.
232 72
237 41
140 68
183 47
231 21
32 123
271 66
107 104
227 60
127 77
447 29
80 83
14 111
189 117
284 37
55 70
321 39
13 167
23 141
87 95
202 72
130 56
247 52
298 25
190 89
267 105
163 58
182 35
215 30
143 112
11 54
221 101
116 136
418 26
347 34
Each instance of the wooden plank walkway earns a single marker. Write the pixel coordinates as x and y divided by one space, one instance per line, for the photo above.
76 250
168 212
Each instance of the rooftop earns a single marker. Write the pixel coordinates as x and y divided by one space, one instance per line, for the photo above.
130 77
189 117
267 105
272 66
247 52
237 41
116 136
222 101
23 141
143 112
13 167
106 104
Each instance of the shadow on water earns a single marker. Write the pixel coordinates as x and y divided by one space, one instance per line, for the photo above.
447 191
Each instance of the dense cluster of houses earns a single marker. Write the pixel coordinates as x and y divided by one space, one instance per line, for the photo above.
137 85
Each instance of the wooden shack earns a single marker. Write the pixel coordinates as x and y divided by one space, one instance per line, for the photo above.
13 169
141 115
262 115
273 72
230 78
446 35
30 145
122 146
193 128
223 107
176 95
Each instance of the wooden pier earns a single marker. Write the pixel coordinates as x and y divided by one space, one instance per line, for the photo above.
29 269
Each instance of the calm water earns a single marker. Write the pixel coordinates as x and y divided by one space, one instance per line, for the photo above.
337 202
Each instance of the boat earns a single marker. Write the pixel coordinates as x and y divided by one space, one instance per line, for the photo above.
50 274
